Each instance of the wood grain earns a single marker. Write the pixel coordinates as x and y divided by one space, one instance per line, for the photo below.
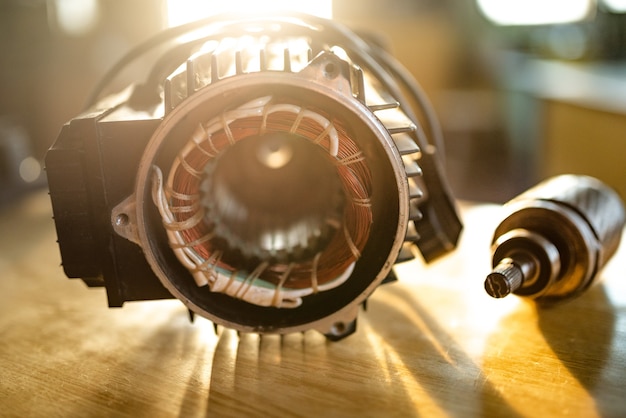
432 344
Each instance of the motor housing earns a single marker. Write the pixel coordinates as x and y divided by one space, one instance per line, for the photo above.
268 172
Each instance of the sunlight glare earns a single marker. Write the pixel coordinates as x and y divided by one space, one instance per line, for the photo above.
536 12
76 17
615 6
183 11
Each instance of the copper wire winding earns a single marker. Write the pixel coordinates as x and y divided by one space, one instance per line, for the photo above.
350 236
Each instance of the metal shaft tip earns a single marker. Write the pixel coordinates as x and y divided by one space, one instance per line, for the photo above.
504 279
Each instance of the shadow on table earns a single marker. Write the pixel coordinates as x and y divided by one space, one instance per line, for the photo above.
365 374
303 375
580 332
441 366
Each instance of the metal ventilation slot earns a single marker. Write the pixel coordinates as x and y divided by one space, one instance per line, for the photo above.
412 170
198 72
414 190
262 59
175 89
415 214
411 167
358 83
215 69
406 253
405 144
384 106
287 60
411 233
401 129
238 63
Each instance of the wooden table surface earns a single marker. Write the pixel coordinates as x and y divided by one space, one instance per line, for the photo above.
432 344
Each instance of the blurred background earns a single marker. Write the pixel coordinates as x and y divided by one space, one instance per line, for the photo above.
525 89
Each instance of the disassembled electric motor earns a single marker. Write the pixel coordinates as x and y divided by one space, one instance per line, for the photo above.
267 172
